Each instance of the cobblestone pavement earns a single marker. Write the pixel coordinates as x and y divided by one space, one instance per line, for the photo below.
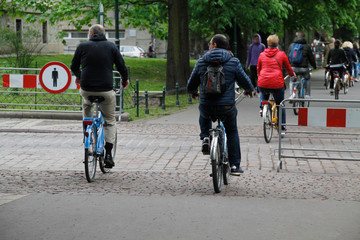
46 156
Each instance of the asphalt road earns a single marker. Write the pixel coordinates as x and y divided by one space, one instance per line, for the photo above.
160 187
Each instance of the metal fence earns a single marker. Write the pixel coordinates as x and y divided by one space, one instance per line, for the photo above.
37 99
326 122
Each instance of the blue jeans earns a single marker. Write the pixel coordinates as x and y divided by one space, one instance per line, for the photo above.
230 124
278 96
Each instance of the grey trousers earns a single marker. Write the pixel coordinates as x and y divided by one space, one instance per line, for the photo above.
107 108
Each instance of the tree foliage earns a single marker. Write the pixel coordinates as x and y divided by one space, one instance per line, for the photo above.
25 47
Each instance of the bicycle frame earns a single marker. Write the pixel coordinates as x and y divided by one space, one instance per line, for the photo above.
220 129
88 124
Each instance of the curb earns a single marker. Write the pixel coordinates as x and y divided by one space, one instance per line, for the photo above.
53 115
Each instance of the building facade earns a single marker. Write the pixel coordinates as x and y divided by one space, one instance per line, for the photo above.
53 45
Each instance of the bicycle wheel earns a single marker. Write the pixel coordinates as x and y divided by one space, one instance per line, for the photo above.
267 123
216 163
337 88
91 157
113 152
296 105
226 166
327 80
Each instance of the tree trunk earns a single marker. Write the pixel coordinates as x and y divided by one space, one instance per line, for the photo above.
178 63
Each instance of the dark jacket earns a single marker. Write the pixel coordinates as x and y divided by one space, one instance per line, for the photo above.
97 58
308 57
350 55
337 56
233 72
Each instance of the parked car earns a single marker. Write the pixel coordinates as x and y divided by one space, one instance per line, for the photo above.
132 51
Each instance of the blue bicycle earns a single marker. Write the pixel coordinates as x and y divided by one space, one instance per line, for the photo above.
299 93
94 142
219 154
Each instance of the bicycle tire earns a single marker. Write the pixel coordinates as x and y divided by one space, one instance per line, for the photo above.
113 153
91 157
345 83
337 89
267 123
216 164
296 105
226 166
327 80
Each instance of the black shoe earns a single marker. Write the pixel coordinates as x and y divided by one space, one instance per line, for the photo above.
109 163
236 170
206 146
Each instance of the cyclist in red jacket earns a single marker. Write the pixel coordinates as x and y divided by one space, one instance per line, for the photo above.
270 76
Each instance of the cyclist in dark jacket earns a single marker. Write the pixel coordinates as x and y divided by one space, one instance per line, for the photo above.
303 68
225 104
337 60
97 58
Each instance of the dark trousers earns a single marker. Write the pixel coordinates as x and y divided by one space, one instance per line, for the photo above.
230 124
253 75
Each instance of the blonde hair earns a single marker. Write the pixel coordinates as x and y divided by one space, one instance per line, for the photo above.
273 40
347 44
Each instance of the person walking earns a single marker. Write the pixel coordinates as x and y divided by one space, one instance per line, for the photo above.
271 80
225 103
97 57
303 67
254 51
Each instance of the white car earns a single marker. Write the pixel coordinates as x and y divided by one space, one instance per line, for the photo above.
132 51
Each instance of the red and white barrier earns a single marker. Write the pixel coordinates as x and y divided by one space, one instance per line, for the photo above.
329 117
29 81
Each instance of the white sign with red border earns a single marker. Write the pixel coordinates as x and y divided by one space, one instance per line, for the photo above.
55 77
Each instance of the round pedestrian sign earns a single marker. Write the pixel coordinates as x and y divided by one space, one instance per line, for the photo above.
55 77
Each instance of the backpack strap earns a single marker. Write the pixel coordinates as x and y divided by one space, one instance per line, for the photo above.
277 60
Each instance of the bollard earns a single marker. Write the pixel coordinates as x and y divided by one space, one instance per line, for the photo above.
177 95
137 97
146 102
163 100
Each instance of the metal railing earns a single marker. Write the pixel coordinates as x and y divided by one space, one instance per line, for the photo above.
354 154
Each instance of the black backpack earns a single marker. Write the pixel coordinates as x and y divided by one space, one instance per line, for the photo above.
213 81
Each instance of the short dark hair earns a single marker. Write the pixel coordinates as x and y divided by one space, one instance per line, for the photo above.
221 41
337 43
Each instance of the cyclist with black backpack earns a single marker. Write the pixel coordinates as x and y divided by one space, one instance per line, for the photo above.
300 56
217 97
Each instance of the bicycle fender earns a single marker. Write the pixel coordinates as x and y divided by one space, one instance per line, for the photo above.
265 109
213 147
87 139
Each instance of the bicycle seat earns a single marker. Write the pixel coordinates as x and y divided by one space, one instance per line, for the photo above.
97 99
214 118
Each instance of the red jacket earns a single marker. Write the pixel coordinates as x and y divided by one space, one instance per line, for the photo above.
269 71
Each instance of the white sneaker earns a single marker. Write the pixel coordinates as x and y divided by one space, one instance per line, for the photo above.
307 96
292 96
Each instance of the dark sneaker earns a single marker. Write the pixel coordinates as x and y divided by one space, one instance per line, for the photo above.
109 163
206 146
236 171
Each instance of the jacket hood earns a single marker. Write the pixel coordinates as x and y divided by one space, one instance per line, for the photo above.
217 55
98 37
301 40
270 52
259 39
